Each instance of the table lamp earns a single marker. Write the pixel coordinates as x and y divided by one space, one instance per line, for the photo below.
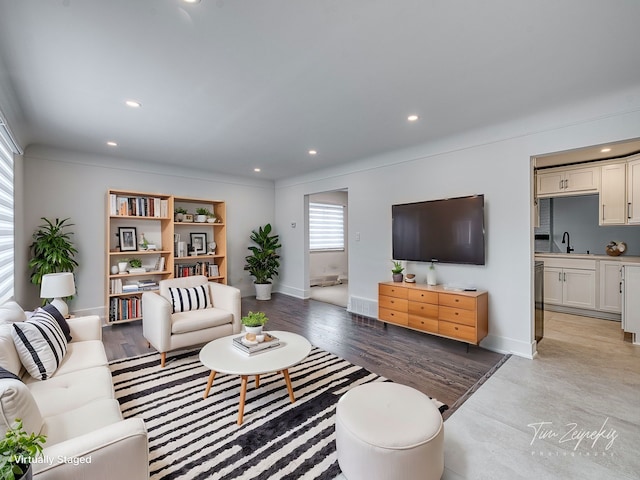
58 286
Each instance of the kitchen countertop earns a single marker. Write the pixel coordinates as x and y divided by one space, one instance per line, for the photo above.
589 256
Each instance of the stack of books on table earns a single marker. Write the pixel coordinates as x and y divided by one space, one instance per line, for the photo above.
258 348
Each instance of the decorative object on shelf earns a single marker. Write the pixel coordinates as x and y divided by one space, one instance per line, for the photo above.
182 249
397 271
143 244
254 321
431 275
202 215
52 250
198 242
615 248
179 213
57 286
114 269
211 218
410 278
212 248
16 447
135 266
263 262
127 239
122 267
188 218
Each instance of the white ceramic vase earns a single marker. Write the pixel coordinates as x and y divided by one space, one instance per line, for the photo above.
122 267
256 330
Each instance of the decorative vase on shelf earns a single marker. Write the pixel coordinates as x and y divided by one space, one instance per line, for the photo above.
122 267
115 270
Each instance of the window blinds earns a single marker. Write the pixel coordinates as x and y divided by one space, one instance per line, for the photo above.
6 220
326 227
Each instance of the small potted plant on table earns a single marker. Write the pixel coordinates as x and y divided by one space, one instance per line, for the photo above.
254 321
17 450
397 271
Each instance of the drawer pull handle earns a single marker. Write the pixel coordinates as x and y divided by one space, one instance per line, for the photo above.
456 313
457 300
456 328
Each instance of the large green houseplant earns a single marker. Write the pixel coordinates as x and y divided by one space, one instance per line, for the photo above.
263 262
52 250
18 449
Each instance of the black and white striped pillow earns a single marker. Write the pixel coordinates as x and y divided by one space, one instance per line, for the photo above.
41 344
186 299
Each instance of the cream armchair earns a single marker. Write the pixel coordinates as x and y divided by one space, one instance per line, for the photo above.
167 328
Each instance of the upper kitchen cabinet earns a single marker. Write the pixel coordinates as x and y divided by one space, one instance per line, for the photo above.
565 181
620 192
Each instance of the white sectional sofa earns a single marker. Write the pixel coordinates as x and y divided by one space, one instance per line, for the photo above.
75 408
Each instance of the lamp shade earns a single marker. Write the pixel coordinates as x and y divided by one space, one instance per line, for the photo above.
56 285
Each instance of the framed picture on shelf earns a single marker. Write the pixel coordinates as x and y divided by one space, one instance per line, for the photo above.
127 237
188 218
213 270
199 242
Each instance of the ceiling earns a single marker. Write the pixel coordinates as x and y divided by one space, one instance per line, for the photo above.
232 85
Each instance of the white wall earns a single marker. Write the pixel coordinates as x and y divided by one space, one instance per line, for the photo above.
70 184
494 162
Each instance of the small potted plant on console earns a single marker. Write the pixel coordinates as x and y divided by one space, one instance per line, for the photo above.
397 271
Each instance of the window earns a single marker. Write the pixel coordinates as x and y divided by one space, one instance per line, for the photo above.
326 227
6 213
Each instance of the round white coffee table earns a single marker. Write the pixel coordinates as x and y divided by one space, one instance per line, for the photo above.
222 357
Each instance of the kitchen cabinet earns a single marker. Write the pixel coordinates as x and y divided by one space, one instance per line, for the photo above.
631 301
558 182
633 190
570 282
613 194
610 286
620 192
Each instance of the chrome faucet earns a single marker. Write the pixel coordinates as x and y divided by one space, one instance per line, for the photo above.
568 242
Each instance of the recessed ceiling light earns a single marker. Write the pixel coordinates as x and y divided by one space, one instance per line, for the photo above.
112 144
133 104
256 169
412 118
191 1
312 152
605 150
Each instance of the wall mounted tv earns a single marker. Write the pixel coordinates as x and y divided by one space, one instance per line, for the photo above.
448 231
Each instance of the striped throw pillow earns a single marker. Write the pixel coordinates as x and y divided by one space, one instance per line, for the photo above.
40 343
186 299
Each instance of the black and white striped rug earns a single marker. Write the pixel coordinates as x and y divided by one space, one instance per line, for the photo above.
193 438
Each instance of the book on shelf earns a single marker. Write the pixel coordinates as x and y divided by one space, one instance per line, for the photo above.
139 206
124 308
258 348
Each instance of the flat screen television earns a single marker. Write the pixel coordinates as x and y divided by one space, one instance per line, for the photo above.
448 230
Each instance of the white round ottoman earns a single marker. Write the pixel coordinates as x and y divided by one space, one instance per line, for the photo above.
388 431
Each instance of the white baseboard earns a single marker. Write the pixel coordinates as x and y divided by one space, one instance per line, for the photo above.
506 345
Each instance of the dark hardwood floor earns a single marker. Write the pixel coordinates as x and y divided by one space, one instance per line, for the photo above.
439 367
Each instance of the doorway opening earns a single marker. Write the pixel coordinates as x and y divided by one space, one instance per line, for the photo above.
327 220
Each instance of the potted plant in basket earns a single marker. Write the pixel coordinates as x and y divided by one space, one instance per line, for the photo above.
254 321
17 451
397 271
263 262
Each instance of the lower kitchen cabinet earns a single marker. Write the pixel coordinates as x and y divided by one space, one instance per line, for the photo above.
571 287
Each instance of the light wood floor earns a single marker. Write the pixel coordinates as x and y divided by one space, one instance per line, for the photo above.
586 377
